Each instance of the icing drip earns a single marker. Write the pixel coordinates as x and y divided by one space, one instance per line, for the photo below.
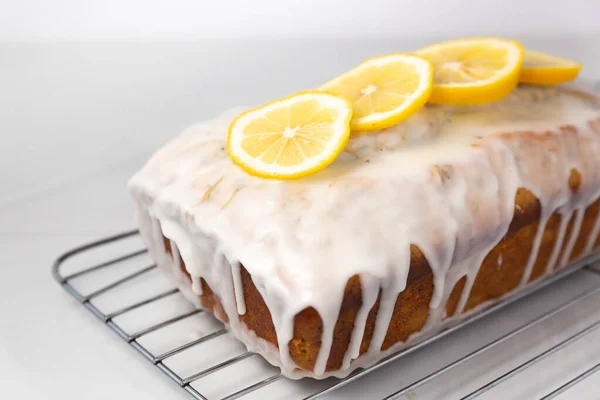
384 315
370 290
196 286
565 217
284 326
176 260
157 236
329 321
595 235
444 181
239 290
578 213
537 241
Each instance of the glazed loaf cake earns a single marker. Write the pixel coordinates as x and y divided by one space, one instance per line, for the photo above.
412 229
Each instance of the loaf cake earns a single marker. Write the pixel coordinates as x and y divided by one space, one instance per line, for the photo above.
410 230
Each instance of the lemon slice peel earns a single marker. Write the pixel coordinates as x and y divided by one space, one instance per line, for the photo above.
384 90
545 69
474 70
292 147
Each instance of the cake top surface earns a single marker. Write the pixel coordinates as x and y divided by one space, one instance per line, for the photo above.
421 182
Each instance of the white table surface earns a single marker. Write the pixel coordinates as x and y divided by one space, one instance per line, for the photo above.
76 120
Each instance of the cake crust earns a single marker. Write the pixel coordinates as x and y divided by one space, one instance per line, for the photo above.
412 305
496 205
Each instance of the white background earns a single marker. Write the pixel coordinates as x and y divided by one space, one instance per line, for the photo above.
89 89
195 19
115 77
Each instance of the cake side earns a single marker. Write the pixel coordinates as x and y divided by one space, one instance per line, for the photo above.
398 244
500 274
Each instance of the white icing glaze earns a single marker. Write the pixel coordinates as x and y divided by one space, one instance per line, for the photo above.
578 219
537 241
369 297
196 287
176 260
560 240
594 236
237 284
422 182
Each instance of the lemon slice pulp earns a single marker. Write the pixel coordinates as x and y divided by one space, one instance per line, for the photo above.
473 71
544 69
292 137
384 90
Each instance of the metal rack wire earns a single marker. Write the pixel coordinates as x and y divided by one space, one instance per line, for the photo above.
132 338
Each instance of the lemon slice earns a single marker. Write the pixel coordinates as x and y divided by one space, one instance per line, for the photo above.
473 71
384 90
544 69
292 137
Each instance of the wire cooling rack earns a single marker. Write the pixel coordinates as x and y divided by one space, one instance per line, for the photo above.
108 271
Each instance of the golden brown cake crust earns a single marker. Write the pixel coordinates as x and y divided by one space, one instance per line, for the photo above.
412 305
